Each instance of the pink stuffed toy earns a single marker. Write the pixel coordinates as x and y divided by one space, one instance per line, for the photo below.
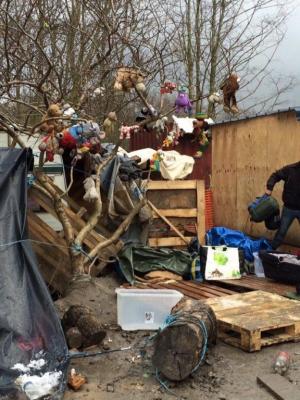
125 131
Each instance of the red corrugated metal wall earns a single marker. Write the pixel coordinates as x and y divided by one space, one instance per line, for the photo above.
202 167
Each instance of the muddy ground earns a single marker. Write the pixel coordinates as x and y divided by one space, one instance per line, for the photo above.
228 373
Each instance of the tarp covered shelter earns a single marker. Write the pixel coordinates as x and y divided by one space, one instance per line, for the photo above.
29 326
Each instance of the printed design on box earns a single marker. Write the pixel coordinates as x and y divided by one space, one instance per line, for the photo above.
149 317
222 263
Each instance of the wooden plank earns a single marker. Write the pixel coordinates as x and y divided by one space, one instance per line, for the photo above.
200 211
54 261
92 237
178 212
255 283
168 241
279 387
165 185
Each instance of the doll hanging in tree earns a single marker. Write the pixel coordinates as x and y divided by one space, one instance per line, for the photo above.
229 86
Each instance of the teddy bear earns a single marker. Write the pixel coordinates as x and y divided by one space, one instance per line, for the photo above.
229 87
49 126
110 122
182 101
129 78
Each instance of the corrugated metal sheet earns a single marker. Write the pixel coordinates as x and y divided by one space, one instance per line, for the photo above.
284 110
202 167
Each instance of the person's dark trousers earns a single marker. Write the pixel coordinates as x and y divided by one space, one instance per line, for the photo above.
287 217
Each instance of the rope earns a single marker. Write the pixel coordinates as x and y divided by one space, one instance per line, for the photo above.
181 318
78 247
74 246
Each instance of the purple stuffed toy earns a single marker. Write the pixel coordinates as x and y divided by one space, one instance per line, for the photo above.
182 101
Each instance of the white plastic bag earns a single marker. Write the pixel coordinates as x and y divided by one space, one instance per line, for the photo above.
222 263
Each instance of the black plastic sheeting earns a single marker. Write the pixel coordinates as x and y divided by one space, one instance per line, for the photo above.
28 320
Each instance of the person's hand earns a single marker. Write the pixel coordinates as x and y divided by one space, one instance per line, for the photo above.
268 192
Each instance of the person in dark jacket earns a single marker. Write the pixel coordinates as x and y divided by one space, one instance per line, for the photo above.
290 174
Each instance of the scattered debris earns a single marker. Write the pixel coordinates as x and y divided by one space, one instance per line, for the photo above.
36 386
282 362
75 380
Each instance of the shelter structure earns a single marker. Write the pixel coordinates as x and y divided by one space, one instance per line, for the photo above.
244 154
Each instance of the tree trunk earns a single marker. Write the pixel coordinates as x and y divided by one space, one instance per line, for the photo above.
180 346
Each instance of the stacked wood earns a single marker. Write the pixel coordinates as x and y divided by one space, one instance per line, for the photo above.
81 327
181 345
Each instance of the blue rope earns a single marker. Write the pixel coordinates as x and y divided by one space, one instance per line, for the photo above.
78 247
74 246
177 319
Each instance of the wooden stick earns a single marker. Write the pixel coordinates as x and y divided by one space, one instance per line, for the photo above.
118 232
167 222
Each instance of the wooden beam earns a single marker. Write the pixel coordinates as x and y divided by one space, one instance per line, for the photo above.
170 185
167 222
279 387
169 241
178 213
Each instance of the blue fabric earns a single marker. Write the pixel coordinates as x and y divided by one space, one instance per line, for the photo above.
223 236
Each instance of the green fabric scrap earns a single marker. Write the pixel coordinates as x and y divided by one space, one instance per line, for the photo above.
138 259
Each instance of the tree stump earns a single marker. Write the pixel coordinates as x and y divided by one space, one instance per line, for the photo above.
79 321
179 347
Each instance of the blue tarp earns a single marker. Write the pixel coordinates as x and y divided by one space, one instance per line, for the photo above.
231 238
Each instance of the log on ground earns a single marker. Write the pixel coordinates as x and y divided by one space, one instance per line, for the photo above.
180 346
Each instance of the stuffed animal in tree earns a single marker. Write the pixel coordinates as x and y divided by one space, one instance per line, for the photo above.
167 87
91 193
229 86
110 122
126 131
129 78
52 126
215 98
182 101
200 132
50 146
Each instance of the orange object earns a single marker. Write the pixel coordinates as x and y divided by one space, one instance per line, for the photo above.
209 214
75 381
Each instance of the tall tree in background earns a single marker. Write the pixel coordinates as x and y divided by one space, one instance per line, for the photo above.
219 37
61 49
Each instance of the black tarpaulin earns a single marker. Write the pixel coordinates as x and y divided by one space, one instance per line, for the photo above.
29 326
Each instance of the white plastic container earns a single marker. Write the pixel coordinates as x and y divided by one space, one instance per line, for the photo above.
258 266
145 309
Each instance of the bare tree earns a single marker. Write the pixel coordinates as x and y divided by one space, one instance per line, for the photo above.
219 37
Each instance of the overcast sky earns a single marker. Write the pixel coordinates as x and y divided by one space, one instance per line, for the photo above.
287 59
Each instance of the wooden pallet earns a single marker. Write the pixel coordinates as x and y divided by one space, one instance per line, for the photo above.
179 205
252 282
256 319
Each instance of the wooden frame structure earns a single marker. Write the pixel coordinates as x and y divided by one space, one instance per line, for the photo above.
197 212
